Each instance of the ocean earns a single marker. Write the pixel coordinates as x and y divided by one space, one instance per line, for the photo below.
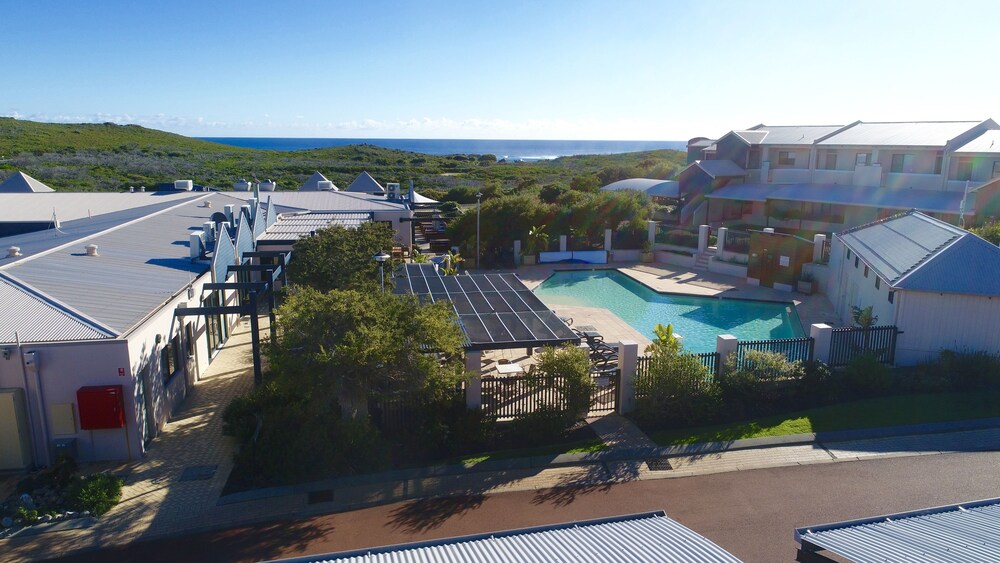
503 149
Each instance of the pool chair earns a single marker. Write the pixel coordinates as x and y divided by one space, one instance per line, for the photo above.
567 320
601 351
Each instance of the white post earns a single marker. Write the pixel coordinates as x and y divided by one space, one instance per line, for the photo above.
822 335
726 346
769 230
628 360
703 231
562 243
720 238
607 240
474 387
818 241
517 252
651 231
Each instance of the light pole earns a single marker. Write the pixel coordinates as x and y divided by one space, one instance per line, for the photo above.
381 257
479 198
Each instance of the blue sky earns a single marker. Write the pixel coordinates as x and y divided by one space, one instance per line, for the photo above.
615 69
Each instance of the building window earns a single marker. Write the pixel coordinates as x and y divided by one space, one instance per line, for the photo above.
901 163
753 159
215 325
830 161
964 169
848 253
169 360
892 294
878 282
866 270
786 158
863 159
855 262
938 162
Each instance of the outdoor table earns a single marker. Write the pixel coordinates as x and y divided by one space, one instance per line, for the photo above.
509 369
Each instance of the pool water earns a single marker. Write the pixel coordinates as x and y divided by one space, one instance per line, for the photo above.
697 319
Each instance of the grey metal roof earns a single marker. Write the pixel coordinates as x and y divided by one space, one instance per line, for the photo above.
652 187
793 134
364 183
916 252
905 134
140 266
312 184
49 321
649 538
988 142
294 227
751 137
934 201
20 182
330 202
223 257
720 168
744 192
69 206
964 532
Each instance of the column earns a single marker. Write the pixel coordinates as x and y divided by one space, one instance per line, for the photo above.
628 360
703 231
720 245
607 240
474 387
726 346
517 253
818 241
562 243
651 231
822 335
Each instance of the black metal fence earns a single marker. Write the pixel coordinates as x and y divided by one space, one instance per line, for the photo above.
644 377
738 241
848 343
795 349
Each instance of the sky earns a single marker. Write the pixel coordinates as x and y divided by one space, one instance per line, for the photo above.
573 69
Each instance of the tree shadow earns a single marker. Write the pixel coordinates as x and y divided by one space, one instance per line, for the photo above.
422 515
599 477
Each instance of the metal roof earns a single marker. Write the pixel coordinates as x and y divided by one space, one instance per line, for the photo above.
329 202
839 194
312 184
720 168
140 266
751 137
20 182
792 134
364 183
650 538
744 192
916 252
964 532
294 227
69 206
49 321
988 142
904 134
496 311
652 187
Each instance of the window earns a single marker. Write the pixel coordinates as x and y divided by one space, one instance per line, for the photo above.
892 294
866 270
786 158
938 161
848 253
902 163
878 282
855 262
964 169
863 159
830 162
169 360
215 325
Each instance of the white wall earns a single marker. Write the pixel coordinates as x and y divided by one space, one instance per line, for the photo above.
847 287
403 230
790 175
833 177
898 180
932 322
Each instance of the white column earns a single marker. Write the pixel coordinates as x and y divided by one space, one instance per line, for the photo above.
720 245
703 231
726 346
607 240
628 360
818 241
651 231
474 387
517 252
769 230
822 335
562 243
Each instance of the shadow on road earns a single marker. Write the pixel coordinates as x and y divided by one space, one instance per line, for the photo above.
426 514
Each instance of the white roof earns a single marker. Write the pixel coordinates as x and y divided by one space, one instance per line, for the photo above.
328 201
294 227
792 134
32 207
22 183
903 134
364 183
988 142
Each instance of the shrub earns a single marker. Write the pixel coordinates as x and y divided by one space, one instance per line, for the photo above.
818 384
678 390
97 493
865 376
970 370
540 426
757 385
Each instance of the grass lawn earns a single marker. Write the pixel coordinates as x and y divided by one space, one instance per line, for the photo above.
867 413
585 446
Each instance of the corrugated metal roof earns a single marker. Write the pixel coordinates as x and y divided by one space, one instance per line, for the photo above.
751 137
293 227
140 266
988 142
37 319
794 134
917 252
934 201
744 192
903 134
69 206
720 168
963 533
244 240
658 188
649 538
312 184
331 202
364 183
22 183
223 257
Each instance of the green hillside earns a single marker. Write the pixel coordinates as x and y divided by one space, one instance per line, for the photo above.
109 157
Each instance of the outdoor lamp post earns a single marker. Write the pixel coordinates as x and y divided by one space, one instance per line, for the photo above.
479 197
381 257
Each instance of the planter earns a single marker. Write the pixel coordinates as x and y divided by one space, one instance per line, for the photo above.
528 259
646 257
807 287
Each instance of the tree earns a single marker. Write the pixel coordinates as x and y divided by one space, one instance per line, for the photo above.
339 258
678 388
864 317
341 346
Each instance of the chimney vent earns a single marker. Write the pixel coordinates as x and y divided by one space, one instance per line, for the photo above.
91 250
13 252
131 189
142 188
207 204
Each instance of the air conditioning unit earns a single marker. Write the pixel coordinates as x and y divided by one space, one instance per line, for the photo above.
392 190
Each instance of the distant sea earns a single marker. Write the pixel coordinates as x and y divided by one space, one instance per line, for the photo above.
509 149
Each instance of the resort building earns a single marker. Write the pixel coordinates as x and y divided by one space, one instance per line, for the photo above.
108 299
825 178
938 284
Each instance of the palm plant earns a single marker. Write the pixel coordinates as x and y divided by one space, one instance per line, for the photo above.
451 260
537 239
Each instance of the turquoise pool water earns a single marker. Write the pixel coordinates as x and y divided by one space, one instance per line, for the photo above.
698 319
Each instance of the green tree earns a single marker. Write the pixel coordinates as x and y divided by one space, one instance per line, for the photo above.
678 389
340 347
339 258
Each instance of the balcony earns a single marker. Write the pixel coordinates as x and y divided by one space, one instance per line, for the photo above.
900 180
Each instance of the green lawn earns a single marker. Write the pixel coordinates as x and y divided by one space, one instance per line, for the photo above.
585 446
868 413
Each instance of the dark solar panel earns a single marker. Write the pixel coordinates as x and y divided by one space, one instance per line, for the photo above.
496 311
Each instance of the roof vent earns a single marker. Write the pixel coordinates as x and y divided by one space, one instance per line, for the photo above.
131 189
13 252
91 250
207 204
142 188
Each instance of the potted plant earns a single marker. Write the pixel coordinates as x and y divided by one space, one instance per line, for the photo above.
536 240
807 283
647 252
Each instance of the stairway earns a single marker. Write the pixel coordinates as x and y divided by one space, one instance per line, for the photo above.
701 260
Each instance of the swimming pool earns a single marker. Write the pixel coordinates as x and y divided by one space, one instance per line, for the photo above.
698 319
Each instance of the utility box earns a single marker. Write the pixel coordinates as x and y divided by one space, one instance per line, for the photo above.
101 407
64 447
15 435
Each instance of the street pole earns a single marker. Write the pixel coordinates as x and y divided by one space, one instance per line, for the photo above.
479 197
381 257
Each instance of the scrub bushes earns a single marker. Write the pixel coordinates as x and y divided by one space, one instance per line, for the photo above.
679 390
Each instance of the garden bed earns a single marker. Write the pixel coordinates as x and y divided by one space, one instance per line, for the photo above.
58 494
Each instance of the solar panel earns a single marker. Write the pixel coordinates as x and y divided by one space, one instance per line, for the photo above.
496 311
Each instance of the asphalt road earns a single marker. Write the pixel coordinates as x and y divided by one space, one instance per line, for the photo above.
752 514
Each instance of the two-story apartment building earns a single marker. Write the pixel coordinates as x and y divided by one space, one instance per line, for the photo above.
828 177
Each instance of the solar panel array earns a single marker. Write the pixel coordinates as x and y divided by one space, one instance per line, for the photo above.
496 311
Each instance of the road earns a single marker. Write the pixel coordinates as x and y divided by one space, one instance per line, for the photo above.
752 514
